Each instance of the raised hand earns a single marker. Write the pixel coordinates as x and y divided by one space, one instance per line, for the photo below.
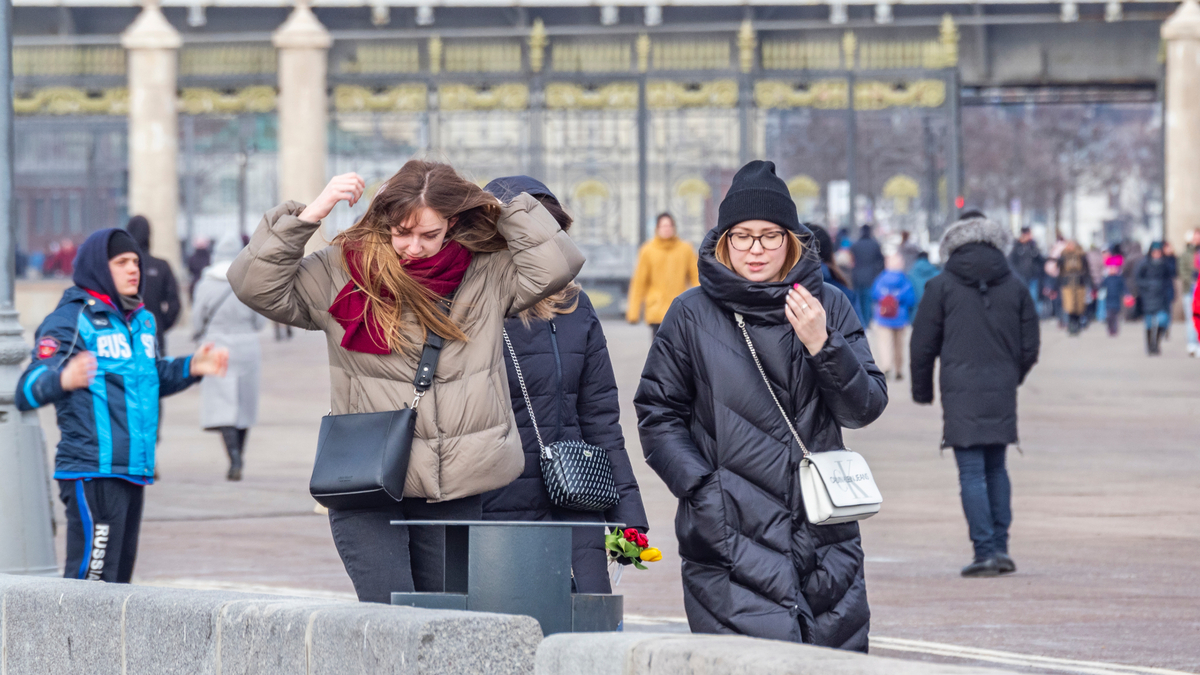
807 317
347 187
210 359
78 372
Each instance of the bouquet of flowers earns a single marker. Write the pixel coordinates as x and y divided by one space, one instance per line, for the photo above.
631 545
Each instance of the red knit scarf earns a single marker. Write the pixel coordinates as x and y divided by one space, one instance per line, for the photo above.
441 273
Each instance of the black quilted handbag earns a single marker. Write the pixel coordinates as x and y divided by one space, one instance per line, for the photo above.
577 475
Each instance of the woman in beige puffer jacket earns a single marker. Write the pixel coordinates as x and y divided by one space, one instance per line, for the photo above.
466 441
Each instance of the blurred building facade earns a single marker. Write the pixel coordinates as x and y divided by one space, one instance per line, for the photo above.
1027 110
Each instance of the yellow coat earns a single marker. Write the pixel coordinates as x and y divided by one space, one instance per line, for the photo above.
665 268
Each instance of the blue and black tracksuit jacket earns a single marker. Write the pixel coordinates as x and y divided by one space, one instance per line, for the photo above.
109 429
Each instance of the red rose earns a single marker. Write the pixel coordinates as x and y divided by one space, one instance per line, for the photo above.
631 535
642 540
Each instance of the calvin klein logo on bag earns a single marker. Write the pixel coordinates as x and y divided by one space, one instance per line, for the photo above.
848 481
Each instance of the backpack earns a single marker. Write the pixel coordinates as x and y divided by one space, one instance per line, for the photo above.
889 306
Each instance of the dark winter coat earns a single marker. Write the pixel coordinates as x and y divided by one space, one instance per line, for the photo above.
1114 289
1027 261
160 290
570 379
868 262
1154 277
979 319
752 564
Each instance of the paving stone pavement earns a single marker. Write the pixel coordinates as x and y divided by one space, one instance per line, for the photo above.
1106 504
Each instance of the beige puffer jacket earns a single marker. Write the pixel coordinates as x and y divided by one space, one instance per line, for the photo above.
466 440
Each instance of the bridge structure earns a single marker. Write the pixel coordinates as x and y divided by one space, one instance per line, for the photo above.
201 114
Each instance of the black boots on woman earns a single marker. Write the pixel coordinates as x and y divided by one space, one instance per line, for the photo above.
235 444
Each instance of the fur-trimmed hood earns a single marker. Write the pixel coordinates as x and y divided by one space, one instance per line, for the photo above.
972 230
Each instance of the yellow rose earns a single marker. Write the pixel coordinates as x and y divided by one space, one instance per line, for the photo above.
651 555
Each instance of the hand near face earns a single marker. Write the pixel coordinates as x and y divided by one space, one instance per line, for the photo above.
807 317
210 359
347 187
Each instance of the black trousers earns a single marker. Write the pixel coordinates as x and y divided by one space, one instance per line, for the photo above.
382 559
104 517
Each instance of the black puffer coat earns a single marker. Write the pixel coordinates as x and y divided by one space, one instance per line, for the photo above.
980 320
570 380
1154 280
752 564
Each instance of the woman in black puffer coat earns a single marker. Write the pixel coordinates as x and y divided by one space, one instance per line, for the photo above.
564 358
752 563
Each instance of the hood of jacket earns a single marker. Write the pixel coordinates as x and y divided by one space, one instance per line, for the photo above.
761 302
91 265
976 230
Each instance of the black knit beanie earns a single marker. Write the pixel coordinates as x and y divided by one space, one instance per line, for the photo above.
121 242
758 194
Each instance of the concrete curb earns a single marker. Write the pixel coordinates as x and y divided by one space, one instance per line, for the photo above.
54 626
670 654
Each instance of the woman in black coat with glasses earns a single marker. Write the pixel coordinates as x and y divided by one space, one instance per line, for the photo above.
752 563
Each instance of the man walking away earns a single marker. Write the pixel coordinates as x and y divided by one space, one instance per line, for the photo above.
666 267
909 250
868 264
979 319
1153 277
160 290
95 357
894 305
1027 262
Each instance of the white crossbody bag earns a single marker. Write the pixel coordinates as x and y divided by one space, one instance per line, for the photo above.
836 486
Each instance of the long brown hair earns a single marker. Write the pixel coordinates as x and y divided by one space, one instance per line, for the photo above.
391 292
795 251
566 300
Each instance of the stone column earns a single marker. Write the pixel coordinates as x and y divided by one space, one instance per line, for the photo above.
303 45
153 46
1182 116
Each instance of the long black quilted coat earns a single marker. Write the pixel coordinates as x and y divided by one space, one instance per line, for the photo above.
570 380
752 564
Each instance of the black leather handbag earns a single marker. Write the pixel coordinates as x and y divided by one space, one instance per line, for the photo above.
577 475
362 458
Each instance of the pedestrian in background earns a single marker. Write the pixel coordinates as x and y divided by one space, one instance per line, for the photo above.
920 275
160 290
96 358
1028 263
1173 270
752 564
1074 285
895 302
979 320
1188 264
564 360
1114 297
197 262
868 264
666 267
831 272
909 250
228 405
1153 278
434 253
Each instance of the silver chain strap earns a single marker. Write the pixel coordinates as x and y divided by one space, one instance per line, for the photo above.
741 322
525 393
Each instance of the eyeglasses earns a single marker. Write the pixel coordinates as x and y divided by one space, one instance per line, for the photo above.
744 242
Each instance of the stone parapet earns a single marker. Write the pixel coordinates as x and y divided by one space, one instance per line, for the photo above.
673 654
65 626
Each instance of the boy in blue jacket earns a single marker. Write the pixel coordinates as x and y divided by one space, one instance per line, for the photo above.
96 359
895 301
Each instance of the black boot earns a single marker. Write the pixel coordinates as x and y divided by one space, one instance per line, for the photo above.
1151 346
232 437
988 567
1158 338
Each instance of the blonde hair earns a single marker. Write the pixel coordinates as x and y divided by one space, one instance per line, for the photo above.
391 291
795 251
562 302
